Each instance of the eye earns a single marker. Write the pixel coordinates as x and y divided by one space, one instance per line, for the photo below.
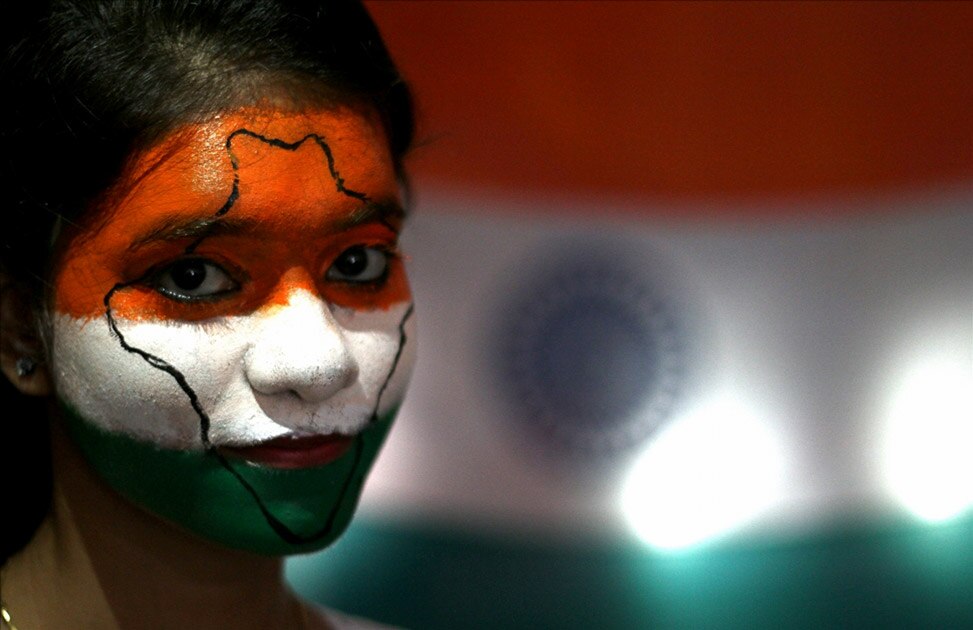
193 278
359 264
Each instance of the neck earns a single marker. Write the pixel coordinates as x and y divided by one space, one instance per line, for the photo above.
154 575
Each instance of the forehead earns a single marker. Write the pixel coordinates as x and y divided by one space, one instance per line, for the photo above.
279 168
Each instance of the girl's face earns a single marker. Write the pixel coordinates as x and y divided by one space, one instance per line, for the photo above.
233 327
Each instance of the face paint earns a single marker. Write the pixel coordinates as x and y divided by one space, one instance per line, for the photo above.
232 327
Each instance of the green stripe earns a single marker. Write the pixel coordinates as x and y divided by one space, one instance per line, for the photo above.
879 575
194 490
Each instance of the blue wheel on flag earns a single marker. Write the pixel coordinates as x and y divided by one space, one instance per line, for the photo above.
590 350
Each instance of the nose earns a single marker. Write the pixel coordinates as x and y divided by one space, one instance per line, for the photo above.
300 348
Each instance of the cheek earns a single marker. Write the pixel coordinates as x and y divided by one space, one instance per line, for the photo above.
136 391
119 390
384 345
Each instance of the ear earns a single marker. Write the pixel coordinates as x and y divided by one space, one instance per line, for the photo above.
22 356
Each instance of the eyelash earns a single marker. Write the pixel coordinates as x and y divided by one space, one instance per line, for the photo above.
162 280
389 256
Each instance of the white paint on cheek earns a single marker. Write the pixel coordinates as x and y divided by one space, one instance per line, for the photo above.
374 339
318 369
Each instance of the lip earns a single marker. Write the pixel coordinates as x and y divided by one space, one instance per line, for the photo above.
290 452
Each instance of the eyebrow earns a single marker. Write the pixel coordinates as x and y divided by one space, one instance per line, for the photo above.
193 229
389 213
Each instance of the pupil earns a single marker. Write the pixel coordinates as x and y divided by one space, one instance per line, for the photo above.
189 275
353 262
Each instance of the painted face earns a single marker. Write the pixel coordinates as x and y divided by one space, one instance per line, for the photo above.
233 329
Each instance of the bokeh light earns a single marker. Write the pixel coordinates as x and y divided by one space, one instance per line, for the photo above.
928 445
706 475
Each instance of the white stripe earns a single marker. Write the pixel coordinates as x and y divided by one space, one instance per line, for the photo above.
800 330
301 341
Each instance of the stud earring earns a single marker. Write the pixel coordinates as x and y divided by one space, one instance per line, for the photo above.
25 367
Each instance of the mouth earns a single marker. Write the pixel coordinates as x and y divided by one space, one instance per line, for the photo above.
294 452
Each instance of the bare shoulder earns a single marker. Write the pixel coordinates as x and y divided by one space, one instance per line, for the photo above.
326 619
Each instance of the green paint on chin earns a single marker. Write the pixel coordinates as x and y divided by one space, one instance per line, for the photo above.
194 490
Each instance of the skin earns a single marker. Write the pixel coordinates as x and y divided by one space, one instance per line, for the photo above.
300 329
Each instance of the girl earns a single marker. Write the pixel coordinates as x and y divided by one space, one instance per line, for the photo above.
203 299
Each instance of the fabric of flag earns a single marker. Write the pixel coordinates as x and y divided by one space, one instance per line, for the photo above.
694 297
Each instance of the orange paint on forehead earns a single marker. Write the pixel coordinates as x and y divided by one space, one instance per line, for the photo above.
302 178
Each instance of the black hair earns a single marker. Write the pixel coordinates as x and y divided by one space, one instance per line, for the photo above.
88 82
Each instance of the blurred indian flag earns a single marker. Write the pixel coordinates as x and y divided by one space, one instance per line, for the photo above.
694 289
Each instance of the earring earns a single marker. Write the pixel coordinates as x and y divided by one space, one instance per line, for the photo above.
25 367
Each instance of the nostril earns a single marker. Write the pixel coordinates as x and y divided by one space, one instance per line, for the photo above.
311 382
300 350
